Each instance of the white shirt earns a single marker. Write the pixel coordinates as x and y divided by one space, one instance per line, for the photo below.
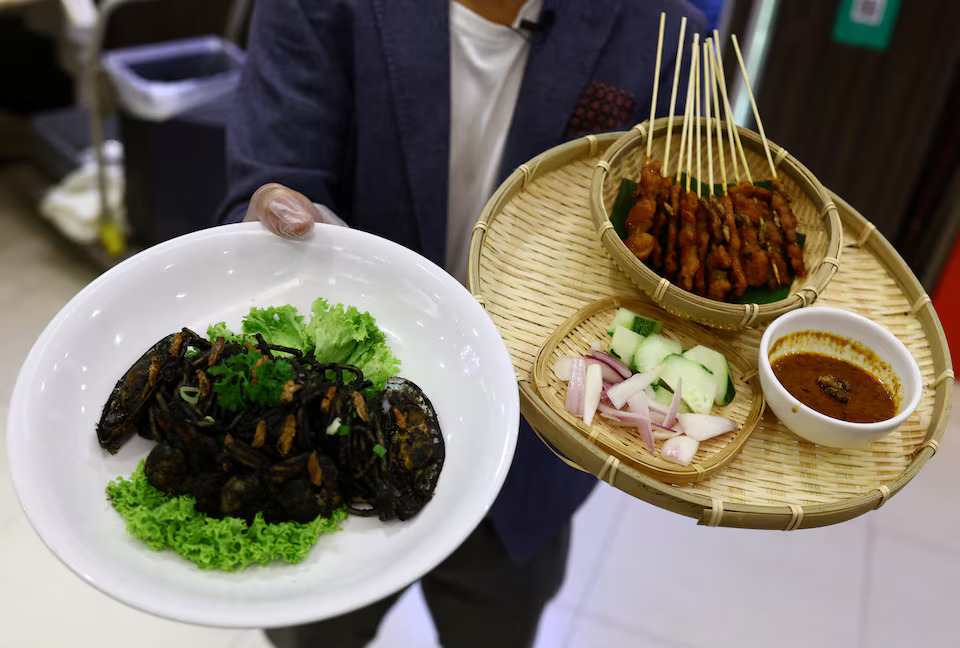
487 61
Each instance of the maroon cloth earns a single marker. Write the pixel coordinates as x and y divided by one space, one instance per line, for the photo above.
602 107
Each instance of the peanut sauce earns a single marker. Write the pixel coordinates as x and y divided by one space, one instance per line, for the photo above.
835 387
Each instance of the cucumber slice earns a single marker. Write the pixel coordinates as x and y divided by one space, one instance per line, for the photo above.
624 318
646 326
636 323
719 367
664 396
653 350
624 344
699 387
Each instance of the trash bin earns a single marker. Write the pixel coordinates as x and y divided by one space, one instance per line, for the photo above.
172 105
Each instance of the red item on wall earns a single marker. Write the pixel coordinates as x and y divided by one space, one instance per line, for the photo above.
946 297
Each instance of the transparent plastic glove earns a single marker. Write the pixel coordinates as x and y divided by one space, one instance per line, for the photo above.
286 212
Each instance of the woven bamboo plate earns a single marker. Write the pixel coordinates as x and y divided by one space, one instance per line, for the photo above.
588 325
817 219
535 260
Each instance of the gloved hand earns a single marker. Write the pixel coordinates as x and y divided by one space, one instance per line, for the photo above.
286 212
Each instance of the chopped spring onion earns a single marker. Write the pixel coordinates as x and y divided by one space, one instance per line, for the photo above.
379 450
190 394
334 426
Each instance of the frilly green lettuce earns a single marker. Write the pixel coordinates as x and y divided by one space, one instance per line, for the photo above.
228 544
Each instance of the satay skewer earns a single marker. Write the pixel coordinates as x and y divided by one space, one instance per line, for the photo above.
716 110
753 104
656 84
706 91
673 97
730 125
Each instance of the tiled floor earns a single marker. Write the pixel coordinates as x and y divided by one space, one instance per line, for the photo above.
638 576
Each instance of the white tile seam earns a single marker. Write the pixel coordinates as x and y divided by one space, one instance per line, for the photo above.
866 581
916 539
663 642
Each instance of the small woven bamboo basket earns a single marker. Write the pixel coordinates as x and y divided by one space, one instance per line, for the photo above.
588 325
816 213
535 261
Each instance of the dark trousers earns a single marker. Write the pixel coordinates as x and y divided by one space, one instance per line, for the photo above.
477 597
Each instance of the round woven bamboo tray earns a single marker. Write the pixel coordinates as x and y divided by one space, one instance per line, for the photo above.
535 261
817 219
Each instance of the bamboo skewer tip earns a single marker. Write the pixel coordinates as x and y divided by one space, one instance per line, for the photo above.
673 98
753 105
656 83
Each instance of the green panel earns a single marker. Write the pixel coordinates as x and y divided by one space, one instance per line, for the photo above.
866 23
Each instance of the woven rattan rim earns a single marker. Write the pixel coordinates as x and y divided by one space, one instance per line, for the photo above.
825 262
519 270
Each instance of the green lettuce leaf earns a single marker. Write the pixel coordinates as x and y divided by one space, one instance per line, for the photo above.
228 544
220 330
278 325
346 335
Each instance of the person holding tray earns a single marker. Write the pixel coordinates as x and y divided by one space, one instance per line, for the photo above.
401 117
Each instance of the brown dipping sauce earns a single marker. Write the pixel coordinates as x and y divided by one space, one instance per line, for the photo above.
835 387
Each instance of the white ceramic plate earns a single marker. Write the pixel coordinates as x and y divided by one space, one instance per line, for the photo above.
445 340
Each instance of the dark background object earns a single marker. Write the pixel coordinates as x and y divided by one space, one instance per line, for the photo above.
141 23
175 171
869 124
30 77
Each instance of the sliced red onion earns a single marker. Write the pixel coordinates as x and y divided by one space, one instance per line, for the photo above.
575 387
680 449
665 430
563 367
638 405
621 415
609 375
656 416
592 388
620 394
661 433
615 364
671 416
704 426
657 407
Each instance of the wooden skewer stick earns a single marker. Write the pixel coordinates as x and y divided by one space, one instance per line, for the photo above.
696 109
694 61
734 133
718 70
753 104
716 112
656 83
673 97
706 102
685 134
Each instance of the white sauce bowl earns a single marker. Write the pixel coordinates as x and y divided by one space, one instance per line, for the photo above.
819 428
